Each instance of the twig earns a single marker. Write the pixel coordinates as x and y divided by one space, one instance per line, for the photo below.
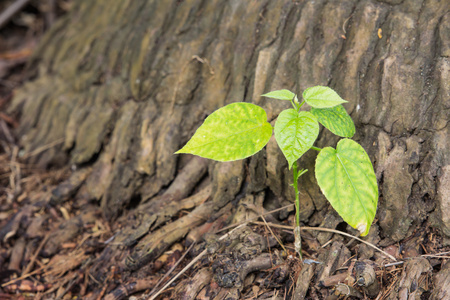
204 61
11 11
9 120
171 269
27 272
33 259
14 178
333 231
270 229
326 244
394 264
442 253
24 276
255 218
6 130
179 274
345 24
435 256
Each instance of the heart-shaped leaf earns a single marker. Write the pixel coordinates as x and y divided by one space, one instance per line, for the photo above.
295 133
233 132
335 119
347 180
280 95
322 97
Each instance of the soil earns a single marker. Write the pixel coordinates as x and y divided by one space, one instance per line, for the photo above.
57 244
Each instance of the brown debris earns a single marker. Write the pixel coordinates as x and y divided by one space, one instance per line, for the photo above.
68 230
242 255
60 264
366 277
133 286
410 282
26 286
441 286
331 262
21 218
169 258
342 289
198 233
189 288
65 190
303 281
334 280
17 255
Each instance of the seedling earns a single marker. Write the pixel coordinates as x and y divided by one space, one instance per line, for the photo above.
345 175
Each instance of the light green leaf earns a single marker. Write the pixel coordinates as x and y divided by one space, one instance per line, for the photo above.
322 97
295 133
233 132
347 180
335 119
281 95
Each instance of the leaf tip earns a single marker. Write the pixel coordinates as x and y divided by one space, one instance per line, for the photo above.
181 151
363 228
280 95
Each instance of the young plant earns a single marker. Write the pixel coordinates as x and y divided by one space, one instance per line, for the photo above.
345 175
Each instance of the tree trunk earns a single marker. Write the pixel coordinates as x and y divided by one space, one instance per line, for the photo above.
119 86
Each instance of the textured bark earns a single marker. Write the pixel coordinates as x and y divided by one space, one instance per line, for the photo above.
124 84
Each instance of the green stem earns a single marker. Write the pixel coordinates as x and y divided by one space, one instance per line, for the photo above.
317 149
298 239
294 105
300 105
297 199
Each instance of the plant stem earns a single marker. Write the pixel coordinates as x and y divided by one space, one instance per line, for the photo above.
298 238
294 105
316 148
300 105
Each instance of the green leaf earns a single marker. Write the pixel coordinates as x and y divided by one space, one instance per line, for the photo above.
295 133
322 97
281 95
233 132
347 180
335 119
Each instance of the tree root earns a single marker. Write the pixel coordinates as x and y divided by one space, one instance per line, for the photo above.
68 188
155 243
